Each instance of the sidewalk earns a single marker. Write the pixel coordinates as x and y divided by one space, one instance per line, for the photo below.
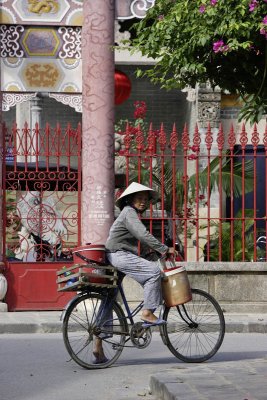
232 380
49 321
30 322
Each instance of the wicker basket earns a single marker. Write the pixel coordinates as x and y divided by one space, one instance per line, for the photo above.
79 276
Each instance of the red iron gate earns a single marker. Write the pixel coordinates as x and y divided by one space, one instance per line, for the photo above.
42 198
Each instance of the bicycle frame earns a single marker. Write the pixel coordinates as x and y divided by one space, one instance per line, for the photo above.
129 314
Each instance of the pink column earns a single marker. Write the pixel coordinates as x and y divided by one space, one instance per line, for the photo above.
97 120
1 172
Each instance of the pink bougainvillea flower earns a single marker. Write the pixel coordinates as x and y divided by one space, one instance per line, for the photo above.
252 5
217 46
220 47
202 8
213 2
264 21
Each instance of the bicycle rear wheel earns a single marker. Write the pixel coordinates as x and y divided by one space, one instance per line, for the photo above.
89 317
194 331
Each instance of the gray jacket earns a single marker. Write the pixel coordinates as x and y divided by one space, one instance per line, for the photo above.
127 230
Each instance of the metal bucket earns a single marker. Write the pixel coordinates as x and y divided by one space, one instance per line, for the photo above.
176 287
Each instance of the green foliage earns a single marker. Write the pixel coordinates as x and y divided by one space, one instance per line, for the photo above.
225 45
240 234
234 178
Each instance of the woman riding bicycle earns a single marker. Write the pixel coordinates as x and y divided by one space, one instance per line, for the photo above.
122 252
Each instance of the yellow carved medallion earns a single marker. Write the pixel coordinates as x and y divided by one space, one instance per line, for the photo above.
43 6
41 75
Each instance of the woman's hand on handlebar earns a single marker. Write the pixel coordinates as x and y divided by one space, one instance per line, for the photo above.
172 252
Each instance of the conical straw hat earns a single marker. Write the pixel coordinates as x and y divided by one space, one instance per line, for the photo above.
135 187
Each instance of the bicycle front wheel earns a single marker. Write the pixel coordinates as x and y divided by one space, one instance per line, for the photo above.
194 331
89 317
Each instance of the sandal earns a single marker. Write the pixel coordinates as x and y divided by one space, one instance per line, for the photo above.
157 322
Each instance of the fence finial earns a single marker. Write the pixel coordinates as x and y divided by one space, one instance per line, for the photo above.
220 138
151 140
209 137
174 138
255 138
243 137
231 138
185 138
162 138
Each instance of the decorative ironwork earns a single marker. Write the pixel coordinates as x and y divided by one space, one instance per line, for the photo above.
255 138
127 138
220 138
151 140
185 139
231 138
243 139
139 139
209 138
162 138
174 138
42 180
196 139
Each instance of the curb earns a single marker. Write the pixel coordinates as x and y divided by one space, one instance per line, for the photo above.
50 322
56 327
31 328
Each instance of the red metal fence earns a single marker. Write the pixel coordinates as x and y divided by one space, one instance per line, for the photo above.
213 204
42 186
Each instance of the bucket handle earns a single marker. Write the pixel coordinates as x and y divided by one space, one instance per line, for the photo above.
163 262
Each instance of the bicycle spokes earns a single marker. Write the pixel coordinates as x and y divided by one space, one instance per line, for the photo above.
195 330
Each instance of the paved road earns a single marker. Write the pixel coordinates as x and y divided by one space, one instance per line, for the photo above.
35 367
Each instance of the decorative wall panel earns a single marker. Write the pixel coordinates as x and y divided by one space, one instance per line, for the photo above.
41 12
63 12
48 42
20 75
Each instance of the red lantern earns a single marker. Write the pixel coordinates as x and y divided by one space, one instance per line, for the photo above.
122 87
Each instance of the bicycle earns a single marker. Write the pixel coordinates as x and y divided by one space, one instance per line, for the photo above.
194 331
